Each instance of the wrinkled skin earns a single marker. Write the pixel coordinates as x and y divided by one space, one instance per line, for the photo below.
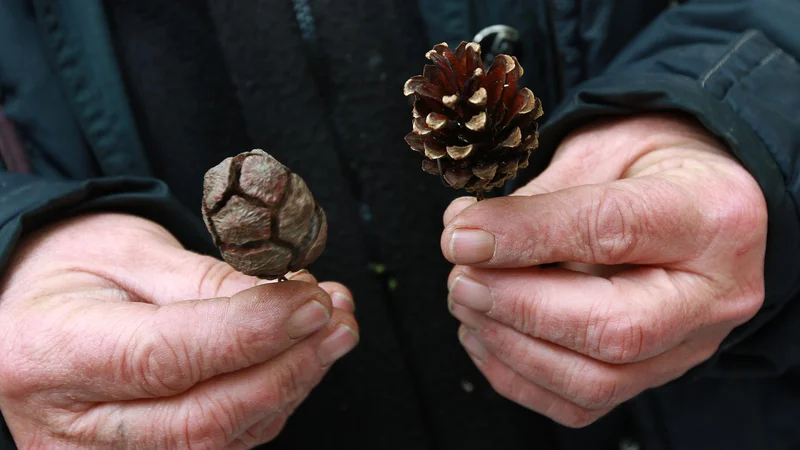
114 336
663 234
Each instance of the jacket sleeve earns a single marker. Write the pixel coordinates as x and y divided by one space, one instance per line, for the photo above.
733 65
29 201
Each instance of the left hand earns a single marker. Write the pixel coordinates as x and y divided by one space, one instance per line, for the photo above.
665 233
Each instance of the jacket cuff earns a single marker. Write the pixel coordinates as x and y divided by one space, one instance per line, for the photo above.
737 100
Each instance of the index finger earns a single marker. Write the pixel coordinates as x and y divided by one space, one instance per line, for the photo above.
628 318
637 221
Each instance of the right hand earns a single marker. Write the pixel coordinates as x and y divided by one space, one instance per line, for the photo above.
112 335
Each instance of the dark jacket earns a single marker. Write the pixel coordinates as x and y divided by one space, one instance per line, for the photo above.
122 106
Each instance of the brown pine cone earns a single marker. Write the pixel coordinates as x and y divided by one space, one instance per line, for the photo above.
475 128
262 216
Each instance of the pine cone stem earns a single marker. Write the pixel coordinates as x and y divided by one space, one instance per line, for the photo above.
441 173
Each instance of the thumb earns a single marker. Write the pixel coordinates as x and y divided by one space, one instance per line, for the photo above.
460 204
169 274
138 350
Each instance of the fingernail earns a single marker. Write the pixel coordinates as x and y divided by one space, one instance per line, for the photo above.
473 346
339 343
467 292
471 246
299 273
309 318
468 317
342 301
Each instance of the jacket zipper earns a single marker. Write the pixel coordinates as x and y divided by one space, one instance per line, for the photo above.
305 21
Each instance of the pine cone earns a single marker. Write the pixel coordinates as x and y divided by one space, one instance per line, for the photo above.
475 128
262 216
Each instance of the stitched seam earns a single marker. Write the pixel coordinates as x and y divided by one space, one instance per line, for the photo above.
772 55
785 177
764 61
743 40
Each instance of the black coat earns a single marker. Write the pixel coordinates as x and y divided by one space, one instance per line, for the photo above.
123 106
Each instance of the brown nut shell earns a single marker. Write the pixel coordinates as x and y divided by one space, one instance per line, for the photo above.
262 217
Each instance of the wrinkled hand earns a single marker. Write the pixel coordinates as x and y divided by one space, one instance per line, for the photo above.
665 236
112 335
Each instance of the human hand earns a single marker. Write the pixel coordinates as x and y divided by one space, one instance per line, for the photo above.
114 336
665 235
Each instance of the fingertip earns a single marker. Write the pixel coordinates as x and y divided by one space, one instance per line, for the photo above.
341 296
473 346
456 272
342 338
462 331
456 206
344 302
344 317
302 275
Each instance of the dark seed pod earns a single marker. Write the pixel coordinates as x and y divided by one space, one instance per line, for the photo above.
475 128
262 216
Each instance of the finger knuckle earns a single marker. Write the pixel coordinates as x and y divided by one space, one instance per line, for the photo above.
610 226
273 430
523 309
209 421
262 433
614 337
249 439
159 364
291 381
741 208
504 346
503 382
740 306
592 388
577 417
750 303
507 345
